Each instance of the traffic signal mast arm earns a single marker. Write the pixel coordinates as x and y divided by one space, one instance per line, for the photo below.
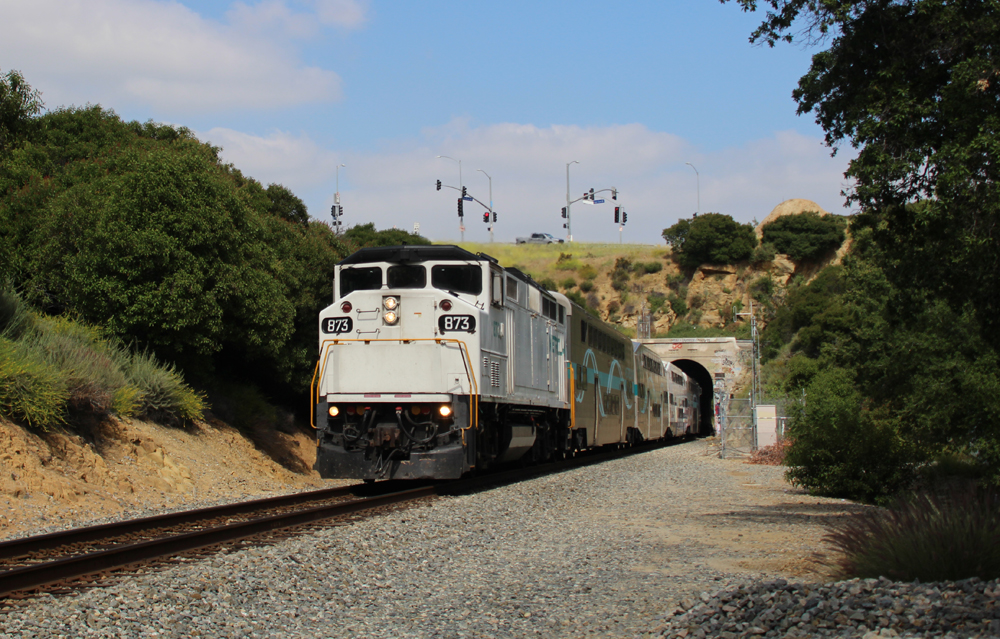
468 196
589 195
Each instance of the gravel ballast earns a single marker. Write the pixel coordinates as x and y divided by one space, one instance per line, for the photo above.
629 548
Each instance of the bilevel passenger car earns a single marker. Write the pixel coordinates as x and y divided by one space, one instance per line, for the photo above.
435 362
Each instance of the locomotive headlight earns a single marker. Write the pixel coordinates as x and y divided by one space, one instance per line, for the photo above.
390 317
445 411
334 411
390 303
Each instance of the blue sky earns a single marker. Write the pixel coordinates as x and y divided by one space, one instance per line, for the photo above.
290 89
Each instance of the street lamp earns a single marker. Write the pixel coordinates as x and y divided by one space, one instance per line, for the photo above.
491 201
569 226
697 181
461 224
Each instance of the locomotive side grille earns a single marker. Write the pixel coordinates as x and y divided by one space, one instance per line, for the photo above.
495 374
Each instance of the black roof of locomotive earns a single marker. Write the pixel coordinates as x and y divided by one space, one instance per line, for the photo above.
413 254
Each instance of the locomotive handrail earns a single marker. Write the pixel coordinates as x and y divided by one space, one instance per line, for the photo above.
466 361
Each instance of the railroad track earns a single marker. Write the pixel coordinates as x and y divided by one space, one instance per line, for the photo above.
63 557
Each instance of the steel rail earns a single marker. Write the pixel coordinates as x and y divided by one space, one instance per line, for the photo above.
26 545
38 575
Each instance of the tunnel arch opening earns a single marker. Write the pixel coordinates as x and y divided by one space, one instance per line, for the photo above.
701 375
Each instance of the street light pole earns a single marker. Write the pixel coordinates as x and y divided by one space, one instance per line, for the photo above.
569 225
461 223
697 181
491 202
336 202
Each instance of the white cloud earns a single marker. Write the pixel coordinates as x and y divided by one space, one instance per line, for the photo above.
294 161
276 16
349 14
395 186
155 53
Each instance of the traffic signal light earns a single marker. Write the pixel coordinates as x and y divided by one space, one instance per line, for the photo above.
614 194
486 217
564 211
460 212
617 212
494 216
624 217
464 192
439 185
591 195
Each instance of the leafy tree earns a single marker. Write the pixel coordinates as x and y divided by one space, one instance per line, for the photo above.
286 205
365 235
812 315
710 238
806 236
142 229
915 86
18 103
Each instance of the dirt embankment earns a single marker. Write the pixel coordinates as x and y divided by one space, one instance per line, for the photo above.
113 467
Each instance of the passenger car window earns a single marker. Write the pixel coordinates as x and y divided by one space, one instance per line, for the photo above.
406 276
360 279
459 278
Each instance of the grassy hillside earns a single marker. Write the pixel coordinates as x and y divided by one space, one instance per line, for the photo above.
616 281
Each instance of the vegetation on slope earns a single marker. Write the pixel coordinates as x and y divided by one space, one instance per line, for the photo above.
897 369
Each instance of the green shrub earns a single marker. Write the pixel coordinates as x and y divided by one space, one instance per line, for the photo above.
93 369
589 304
678 305
696 301
587 272
619 284
656 301
840 449
946 535
763 254
164 395
568 283
16 316
565 262
31 389
763 288
800 371
644 268
577 297
613 306
806 236
710 238
549 284
587 286
675 281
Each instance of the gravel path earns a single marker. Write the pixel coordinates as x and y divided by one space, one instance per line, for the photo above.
623 549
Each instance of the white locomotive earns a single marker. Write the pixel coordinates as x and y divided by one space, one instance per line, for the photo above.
435 361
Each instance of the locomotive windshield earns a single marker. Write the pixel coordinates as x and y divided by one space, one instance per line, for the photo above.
459 278
360 279
406 276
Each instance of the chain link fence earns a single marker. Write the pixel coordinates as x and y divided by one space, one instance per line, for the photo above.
737 428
